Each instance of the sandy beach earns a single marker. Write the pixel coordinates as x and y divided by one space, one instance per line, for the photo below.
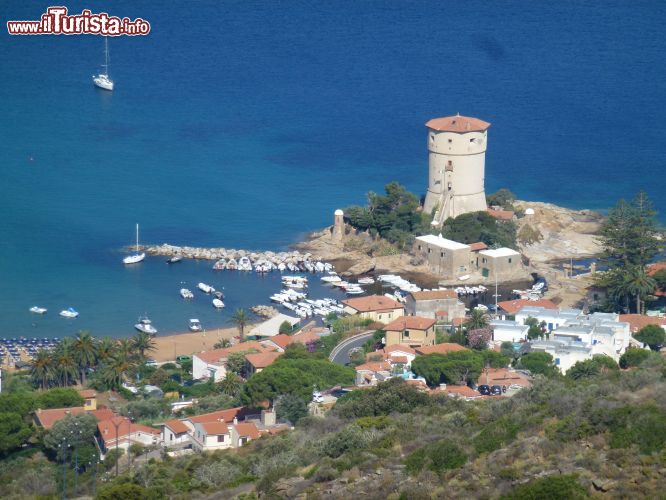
188 343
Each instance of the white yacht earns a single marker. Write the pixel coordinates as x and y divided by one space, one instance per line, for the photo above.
70 312
146 326
218 304
366 281
38 310
244 264
205 288
103 81
186 294
195 325
137 256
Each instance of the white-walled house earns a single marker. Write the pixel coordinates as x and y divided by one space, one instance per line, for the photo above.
554 318
124 433
508 331
212 364
174 432
211 436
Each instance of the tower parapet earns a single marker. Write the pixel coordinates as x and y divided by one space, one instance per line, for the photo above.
456 166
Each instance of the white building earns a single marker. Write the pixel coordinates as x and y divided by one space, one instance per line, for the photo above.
456 166
174 432
554 318
271 327
508 331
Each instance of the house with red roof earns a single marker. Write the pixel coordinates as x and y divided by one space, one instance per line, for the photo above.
437 304
374 307
414 331
511 307
444 348
121 432
213 363
174 432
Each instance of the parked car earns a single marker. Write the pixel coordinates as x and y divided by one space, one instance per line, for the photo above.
496 390
484 389
180 359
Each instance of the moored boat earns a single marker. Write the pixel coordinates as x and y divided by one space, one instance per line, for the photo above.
70 312
205 288
38 310
195 325
174 259
146 326
218 304
186 294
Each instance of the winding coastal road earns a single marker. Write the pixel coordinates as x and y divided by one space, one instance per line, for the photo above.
340 354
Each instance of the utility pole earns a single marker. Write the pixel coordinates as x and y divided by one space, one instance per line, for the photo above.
117 424
64 467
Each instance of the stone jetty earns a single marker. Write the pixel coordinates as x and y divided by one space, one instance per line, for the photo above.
291 257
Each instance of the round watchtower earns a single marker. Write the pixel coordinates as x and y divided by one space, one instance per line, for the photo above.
456 162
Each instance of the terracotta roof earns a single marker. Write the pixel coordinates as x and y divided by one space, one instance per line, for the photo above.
461 391
399 348
226 415
48 418
435 294
638 321
458 124
513 306
176 426
458 321
262 359
399 359
475 247
656 267
214 428
501 214
247 429
374 366
503 376
107 428
102 414
309 336
440 349
219 355
87 393
409 322
373 303
282 340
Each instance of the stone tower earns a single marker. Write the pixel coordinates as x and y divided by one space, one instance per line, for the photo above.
338 225
456 162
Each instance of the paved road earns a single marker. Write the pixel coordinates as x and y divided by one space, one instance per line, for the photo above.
342 357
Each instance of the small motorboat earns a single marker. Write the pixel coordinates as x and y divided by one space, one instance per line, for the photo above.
218 295
220 265
186 294
146 326
38 310
244 264
70 312
205 288
174 259
218 304
366 281
195 325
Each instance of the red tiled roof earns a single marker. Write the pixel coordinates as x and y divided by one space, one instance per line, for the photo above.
503 376
461 391
107 428
501 214
374 366
409 322
282 340
309 336
218 355
399 348
176 426
87 393
458 321
440 349
638 321
226 415
247 429
214 428
475 247
372 303
48 418
102 414
656 267
262 359
435 294
457 123
399 359
513 306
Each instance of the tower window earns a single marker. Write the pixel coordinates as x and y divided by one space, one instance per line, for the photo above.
472 139
450 141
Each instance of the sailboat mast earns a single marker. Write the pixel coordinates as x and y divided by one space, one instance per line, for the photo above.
137 237
106 54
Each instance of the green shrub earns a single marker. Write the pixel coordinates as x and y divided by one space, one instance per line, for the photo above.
644 426
437 457
633 357
496 435
563 487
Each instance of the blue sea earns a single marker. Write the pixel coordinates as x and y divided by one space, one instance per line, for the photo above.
246 124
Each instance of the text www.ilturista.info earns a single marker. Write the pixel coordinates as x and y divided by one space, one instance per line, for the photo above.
57 21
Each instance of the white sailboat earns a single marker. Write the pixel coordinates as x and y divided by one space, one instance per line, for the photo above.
103 81
136 256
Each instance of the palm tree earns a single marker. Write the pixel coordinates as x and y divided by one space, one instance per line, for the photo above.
231 385
639 284
117 368
85 353
42 368
65 366
240 319
222 343
477 319
143 342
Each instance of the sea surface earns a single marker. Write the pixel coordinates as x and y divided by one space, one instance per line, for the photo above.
246 124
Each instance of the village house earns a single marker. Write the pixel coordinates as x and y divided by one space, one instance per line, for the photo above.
259 360
639 321
122 433
282 341
444 348
373 372
374 307
437 304
212 364
413 331
174 432
500 262
446 258
90 399
508 308
508 331
396 353
48 418
552 318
